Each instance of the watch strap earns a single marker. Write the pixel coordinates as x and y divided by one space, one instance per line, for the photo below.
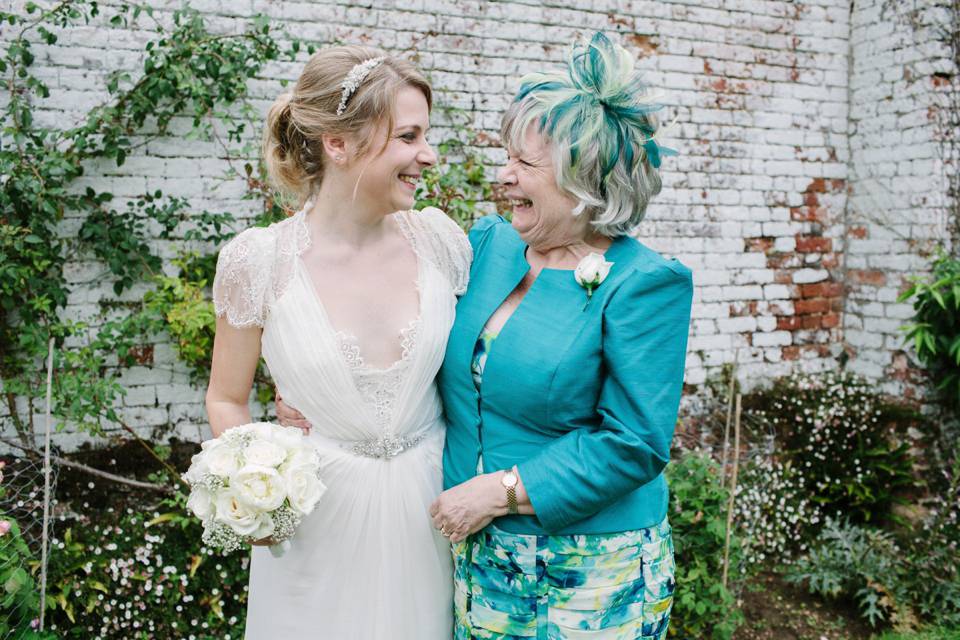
511 491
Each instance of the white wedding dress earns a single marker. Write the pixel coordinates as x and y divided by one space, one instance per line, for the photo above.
367 564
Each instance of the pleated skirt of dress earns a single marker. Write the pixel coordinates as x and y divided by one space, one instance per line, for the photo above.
570 587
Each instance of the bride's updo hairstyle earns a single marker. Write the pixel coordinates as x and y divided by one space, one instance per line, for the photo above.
297 121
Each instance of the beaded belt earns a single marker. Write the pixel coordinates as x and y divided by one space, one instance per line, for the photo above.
384 447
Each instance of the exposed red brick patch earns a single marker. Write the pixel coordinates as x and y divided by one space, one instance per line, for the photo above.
858 231
814 245
789 323
758 245
812 290
830 260
865 276
811 322
142 355
823 185
830 320
816 305
791 353
645 44
831 289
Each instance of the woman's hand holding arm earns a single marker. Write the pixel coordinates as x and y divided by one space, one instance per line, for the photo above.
290 417
469 507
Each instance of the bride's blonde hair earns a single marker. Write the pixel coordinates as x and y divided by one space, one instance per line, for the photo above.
293 147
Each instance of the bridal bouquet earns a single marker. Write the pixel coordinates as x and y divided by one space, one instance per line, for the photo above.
254 481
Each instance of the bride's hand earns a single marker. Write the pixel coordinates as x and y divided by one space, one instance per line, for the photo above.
290 417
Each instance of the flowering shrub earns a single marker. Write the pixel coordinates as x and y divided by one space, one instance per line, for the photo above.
774 511
145 575
836 430
702 606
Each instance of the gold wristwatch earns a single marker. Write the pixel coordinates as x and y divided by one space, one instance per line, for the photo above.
509 481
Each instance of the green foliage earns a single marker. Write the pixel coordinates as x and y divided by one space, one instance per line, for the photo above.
898 584
703 607
908 582
841 437
141 575
187 72
190 316
457 182
935 332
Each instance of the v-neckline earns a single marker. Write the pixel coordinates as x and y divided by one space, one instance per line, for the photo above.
332 331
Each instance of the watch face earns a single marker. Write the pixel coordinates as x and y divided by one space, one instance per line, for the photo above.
509 479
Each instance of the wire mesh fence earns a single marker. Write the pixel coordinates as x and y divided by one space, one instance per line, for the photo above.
22 496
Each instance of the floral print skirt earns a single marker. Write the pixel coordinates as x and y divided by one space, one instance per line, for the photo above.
570 587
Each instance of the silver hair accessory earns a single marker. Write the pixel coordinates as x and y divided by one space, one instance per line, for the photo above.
354 78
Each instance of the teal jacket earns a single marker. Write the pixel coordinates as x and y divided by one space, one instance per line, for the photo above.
583 401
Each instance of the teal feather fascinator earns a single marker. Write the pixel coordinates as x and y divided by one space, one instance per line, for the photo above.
598 97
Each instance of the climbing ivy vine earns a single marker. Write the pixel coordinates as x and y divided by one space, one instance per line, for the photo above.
187 72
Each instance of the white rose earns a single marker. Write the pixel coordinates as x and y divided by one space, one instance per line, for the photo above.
289 438
303 487
265 528
232 511
198 468
222 460
591 271
201 503
305 456
261 430
259 487
264 453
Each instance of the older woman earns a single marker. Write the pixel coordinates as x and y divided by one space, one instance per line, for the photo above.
563 373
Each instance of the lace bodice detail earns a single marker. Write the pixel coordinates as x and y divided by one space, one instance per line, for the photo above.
379 387
256 268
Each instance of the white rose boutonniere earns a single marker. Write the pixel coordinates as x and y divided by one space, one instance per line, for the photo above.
590 272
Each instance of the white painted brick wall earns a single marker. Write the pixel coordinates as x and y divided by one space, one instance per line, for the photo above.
807 168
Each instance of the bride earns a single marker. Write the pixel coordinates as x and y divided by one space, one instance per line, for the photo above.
349 301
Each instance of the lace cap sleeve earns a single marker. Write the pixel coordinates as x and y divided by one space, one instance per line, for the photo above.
244 282
443 243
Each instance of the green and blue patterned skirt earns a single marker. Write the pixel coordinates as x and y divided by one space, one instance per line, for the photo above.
573 587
